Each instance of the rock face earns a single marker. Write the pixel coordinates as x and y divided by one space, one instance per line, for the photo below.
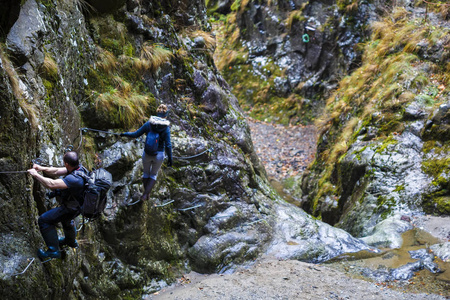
383 148
74 68
396 182
296 53
310 240
382 158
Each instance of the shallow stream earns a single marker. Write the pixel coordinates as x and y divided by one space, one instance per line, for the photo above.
360 264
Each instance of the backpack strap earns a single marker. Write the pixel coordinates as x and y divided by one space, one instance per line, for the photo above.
83 173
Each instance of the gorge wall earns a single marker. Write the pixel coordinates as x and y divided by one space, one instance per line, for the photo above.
379 71
383 148
282 58
68 65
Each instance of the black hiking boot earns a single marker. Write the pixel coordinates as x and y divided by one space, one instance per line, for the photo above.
50 253
51 240
69 238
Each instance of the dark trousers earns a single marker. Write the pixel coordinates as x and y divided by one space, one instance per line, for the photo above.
48 220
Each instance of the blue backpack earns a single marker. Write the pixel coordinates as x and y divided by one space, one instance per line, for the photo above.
151 143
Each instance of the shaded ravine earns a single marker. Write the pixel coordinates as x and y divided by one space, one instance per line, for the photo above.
285 151
271 278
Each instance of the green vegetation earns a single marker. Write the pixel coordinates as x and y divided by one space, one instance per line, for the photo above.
347 5
255 84
391 76
239 5
357 153
437 164
385 205
295 16
399 188
386 143
236 5
436 6
125 109
115 88
49 68
153 57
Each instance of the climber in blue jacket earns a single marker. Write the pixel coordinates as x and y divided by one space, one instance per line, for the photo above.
157 141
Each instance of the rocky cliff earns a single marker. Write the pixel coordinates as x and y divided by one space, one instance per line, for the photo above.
106 65
383 150
379 69
282 58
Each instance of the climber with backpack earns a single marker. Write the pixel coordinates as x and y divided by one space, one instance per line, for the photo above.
78 192
157 141
70 194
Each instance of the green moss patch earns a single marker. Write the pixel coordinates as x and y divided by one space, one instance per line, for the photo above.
437 165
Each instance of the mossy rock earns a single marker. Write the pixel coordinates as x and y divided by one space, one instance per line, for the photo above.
437 205
106 6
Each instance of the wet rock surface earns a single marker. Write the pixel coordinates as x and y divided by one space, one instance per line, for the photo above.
384 172
298 236
388 233
298 47
212 211
393 188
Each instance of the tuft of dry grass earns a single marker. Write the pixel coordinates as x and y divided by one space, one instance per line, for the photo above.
29 109
49 67
210 41
148 21
122 86
294 16
244 4
228 58
444 10
107 61
352 7
235 35
122 109
400 13
181 53
153 57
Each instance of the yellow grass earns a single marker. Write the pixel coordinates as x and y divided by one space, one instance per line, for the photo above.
49 67
400 13
351 7
294 15
210 41
126 110
107 61
153 57
244 4
29 109
390 77
227 58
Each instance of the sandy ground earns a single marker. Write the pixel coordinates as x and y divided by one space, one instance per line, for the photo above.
279 148
269 278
